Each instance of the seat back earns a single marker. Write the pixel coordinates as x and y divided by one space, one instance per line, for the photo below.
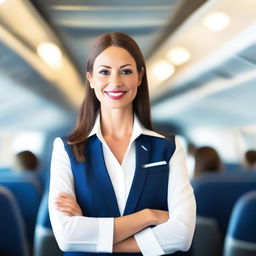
44 241
13 240
207 239
216 195
241 235
27 192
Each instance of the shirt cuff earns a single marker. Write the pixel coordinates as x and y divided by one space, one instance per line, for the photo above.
106 232
148 243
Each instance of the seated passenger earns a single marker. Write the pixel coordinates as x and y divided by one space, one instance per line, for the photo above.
250 159
26 161
207 160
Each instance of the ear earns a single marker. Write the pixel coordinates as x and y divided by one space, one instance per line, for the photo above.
89 78
142 72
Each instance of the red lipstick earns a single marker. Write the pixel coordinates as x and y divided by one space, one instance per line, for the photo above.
115 95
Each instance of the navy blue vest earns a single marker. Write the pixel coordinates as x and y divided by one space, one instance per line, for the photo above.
95 193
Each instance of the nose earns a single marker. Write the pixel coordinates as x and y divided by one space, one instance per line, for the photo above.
115 79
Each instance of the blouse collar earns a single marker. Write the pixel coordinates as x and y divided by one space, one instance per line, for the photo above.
138 129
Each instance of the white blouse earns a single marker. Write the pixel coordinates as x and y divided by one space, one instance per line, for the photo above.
89 234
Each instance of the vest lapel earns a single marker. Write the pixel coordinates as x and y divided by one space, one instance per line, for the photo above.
98 167
142 156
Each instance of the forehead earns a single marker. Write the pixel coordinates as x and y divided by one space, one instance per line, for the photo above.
114 55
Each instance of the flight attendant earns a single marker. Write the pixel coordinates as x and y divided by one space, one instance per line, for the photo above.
117 187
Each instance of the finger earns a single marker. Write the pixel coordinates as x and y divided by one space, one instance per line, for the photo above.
70 212
70 207
66 199
65 195
73 208
66 203
67 209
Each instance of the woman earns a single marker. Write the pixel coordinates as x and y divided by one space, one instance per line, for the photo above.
117 186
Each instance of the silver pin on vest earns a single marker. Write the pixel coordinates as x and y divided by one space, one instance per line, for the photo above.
144 148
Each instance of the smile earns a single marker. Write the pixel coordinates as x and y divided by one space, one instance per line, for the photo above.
115 95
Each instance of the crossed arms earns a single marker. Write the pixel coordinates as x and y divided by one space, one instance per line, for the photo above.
124 227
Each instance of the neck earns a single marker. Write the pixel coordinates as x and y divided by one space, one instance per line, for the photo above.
116 123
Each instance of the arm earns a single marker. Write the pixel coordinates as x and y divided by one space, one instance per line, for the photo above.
128 245
176 234
125 226
81 233
74 233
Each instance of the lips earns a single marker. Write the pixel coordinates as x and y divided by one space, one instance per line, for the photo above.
115 95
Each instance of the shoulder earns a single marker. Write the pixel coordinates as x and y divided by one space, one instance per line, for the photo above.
61 140
158 137
152 133
60 144
160 143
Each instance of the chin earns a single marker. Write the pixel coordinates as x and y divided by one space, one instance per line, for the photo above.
117 106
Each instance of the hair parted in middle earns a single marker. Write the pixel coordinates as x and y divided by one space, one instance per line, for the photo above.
90 106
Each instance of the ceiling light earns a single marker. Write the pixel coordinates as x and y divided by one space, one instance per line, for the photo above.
162 70
178 55
216 21
50 53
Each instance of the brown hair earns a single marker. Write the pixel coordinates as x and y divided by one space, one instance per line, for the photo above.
27 160
90 106
207 160
250 158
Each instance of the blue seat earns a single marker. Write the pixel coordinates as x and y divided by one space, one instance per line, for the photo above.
5 170
241 234
215 196
44 241
12 229
27 191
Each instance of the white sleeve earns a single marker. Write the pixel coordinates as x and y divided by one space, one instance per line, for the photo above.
175 234
77 233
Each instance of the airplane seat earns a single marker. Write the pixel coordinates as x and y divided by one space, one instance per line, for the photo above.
215 197
207 237
241 239
4 170
44 241
232 167
27 192
13 240
7 173
43 176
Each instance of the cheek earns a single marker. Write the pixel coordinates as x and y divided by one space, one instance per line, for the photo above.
98 83
133 83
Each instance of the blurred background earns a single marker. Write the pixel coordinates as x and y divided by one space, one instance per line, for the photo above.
200 58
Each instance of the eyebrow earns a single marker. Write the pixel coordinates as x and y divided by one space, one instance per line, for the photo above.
105 66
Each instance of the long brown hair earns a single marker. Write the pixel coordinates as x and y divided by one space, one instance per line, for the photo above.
90 106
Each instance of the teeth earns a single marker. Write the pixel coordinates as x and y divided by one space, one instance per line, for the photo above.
115 93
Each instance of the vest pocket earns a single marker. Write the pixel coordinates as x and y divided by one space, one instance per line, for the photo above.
157 169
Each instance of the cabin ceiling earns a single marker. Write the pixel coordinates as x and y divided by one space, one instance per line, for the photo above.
218 81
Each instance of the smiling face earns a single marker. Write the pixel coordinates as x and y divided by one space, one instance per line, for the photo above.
115 78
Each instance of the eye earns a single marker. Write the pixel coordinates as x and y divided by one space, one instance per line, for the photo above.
104 72
126 72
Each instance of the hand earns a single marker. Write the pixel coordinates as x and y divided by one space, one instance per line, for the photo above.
158 216
68 205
